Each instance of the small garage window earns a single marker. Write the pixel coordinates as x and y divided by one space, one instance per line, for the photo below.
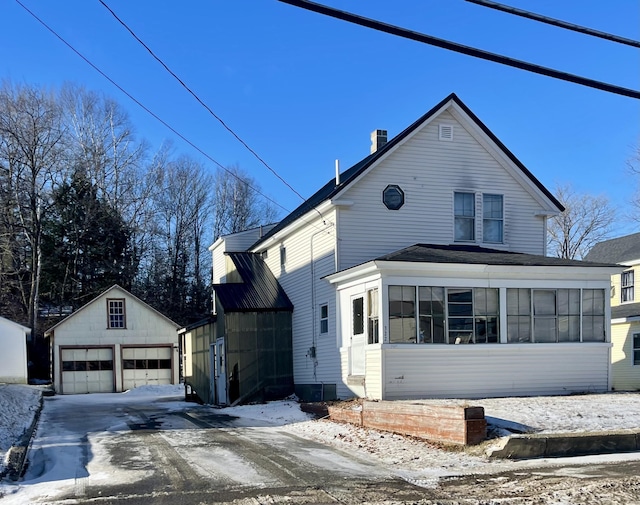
87 366
146 364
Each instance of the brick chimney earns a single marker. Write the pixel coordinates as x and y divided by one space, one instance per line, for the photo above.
378 139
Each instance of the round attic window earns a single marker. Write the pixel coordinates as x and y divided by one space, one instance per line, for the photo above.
393 197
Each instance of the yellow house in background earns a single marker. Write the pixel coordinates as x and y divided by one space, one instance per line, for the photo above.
625 308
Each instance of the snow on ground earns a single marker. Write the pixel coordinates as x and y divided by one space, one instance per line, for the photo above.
18 405
416 460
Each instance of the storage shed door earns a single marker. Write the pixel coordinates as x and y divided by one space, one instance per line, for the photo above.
87 370
145 365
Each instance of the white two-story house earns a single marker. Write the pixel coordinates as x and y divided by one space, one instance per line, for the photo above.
421 272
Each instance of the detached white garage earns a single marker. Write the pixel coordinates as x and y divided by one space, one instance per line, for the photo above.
114 343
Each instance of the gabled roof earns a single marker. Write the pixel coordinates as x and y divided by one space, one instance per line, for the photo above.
330 189
259 291
17 325
115 287
616 250
475 255
625 311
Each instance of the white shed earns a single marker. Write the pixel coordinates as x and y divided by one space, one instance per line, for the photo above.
114 343
13 359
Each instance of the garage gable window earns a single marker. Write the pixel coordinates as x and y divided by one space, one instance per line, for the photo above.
116 316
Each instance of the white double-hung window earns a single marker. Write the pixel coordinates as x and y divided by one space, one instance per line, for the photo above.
492 218
464 210
626 286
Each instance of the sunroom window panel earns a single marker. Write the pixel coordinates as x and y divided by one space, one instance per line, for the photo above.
593 329
544 329
486 330
518 329
544 303
569 329
402 314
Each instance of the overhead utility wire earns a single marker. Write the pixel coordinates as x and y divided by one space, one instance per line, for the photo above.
459 48
145 108
166 67
555 22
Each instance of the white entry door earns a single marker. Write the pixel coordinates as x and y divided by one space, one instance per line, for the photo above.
221 373
358 337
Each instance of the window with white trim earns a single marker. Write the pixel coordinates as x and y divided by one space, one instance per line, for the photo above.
464 216
555 315
626 286
636 348
446 315
431 309
373 319
116 317
492 218
357 315
324 318
283 256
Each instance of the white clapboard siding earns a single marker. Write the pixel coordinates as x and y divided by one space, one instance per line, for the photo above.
429 171
373 381
307 290
236 242
415 371
626 375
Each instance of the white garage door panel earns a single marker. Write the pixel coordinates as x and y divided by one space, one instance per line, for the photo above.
87 371
143 366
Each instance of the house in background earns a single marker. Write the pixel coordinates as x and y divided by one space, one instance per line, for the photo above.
113 343
421 272
625 308
13 360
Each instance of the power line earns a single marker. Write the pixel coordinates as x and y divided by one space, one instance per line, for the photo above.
230 172
200 101
555 22
459 48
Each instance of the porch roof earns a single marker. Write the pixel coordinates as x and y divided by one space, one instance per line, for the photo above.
476 255
625 311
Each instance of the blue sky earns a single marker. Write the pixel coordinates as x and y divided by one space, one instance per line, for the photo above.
303 89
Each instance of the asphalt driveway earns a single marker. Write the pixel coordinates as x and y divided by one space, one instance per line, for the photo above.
113 449
126 449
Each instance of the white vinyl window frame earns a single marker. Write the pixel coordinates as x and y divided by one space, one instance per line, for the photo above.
116 314
464 216
627 286
324 318
493 218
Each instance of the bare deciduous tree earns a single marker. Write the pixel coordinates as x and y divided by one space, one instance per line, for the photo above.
585 221
238 206
32 147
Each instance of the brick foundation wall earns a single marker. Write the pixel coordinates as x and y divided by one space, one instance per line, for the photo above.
446 424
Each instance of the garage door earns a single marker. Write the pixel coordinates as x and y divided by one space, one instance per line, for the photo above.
87 370
145 365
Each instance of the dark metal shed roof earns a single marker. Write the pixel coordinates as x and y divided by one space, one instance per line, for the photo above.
259 290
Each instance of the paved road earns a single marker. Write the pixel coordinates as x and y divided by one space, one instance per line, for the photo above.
138 453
